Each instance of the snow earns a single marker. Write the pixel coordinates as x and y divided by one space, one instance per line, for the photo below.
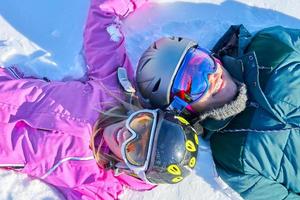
45 39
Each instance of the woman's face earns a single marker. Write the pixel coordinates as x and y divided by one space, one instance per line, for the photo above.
114 135
222 90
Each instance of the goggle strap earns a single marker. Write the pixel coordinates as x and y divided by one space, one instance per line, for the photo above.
207 51
177 104
190 109
121 165
122 168
119 171
181 107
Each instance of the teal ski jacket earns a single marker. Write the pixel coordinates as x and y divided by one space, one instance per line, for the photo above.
257 152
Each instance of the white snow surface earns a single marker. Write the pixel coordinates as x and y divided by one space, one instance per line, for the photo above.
45 39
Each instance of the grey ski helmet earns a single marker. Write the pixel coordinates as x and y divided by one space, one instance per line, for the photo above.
158 66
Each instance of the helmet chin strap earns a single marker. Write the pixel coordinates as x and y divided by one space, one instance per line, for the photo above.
127 86
124 81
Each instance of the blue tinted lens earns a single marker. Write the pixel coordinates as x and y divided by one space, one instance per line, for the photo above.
191 81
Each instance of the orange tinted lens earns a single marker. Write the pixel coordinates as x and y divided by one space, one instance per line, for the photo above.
136 149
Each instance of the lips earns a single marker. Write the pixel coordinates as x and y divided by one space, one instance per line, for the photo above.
116 135
221 87
219 84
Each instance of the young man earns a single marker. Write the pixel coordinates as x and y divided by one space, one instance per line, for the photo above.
246 96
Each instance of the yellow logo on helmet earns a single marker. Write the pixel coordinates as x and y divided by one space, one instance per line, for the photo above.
182 120
177 179
192 162
174 169
196 139
190 146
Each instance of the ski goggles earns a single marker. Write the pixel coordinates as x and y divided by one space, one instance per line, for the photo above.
191 81
136 150
158 140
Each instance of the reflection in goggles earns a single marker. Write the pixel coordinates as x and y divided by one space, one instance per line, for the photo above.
191 82
137 148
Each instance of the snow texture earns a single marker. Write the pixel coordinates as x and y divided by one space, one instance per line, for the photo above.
45 39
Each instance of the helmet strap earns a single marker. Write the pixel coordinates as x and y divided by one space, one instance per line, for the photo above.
184 109
181 107
178 105
124 81
127 87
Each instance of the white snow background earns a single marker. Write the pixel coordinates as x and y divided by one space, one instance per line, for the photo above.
45 39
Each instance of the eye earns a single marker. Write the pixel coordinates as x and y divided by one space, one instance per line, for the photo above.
214 68
144 126
130 148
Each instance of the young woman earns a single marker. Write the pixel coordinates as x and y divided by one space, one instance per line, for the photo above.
62 133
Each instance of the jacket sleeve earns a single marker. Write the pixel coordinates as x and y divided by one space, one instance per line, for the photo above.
255 186
104 45
85 180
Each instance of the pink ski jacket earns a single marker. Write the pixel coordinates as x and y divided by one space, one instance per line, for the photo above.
46 126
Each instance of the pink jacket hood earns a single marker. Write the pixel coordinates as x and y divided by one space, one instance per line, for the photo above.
46 126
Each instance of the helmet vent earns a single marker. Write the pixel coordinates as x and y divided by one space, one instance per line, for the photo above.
156 86
154 45
145 63
179 39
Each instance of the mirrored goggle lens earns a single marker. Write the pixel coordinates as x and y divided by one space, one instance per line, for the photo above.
137 148
191 81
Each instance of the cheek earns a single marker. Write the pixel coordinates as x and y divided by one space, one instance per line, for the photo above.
113 146
110 142
227 94
107 135
230 84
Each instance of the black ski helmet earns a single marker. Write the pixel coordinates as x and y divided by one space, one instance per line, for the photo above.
175 153
158 66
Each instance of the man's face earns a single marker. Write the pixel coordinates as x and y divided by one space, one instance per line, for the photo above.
222 90
203 82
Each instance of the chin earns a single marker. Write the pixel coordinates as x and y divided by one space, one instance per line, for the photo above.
228 93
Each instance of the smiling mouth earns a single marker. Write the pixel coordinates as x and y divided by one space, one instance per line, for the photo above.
116 136
218 86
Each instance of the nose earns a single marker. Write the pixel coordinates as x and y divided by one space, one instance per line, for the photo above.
212 78
126 134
